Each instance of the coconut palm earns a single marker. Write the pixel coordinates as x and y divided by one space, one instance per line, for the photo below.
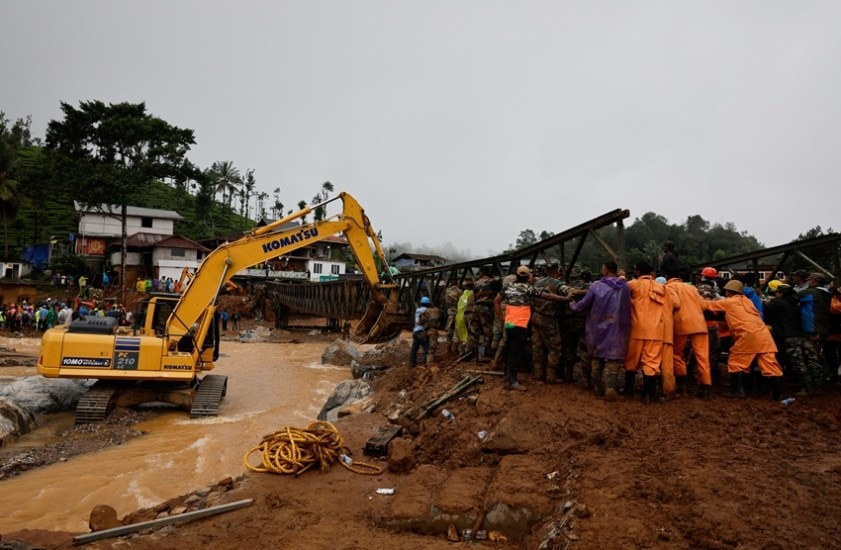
226 179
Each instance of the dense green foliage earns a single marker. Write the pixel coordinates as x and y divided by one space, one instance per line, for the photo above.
38 188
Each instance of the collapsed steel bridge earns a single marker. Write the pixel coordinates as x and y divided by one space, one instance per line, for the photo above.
790 256
347 299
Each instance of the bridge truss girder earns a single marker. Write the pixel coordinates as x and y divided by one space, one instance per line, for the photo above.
347 299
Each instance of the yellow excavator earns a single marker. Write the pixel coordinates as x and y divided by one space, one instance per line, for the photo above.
177 337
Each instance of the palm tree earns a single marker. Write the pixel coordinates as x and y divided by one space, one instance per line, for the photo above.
227 180
248 190
326 188
261 201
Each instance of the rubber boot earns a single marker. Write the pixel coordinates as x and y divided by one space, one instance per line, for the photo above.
551 374
588 377
680 385
776 387
597 374
569 374
539 372
737 385
630 379
703 391
650 387
611 379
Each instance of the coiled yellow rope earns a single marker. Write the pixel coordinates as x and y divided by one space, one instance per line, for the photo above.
294 451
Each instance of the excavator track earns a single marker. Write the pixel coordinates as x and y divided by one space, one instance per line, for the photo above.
210 392
96 403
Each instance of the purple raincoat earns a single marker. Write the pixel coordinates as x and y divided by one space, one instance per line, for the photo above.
608 328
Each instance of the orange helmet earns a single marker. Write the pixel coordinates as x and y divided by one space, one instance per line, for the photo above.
709 272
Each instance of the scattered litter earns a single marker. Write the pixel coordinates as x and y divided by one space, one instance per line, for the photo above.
551 475
385 491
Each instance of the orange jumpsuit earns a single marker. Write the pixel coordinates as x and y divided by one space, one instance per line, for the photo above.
690 326
751 337
651 324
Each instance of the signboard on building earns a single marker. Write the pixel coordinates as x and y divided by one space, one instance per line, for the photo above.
88 246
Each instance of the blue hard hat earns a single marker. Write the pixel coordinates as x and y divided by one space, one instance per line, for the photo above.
425 301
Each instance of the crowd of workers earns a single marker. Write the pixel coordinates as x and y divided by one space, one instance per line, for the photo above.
649 322
24 317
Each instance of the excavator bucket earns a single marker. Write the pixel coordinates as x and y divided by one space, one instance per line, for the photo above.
379 323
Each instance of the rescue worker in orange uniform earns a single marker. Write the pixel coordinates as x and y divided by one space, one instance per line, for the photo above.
691 327
651 325
751 339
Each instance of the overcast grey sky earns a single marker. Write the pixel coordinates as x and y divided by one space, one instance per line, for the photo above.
465 122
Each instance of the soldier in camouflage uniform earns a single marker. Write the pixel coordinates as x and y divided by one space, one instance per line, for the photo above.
574 352
485 289
783 316
431 320
518 297
451 296
545 330
498 343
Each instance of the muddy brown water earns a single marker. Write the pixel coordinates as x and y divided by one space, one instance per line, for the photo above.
270 386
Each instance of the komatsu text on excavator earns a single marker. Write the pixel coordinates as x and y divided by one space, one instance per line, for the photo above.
177 337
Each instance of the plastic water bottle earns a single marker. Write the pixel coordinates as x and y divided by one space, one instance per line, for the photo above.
346 459
447 414
787 401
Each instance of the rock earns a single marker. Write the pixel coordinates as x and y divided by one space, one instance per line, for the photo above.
103 517
257 334
401 456
345 392
382 357
366 372
24 398
14 421
40 395
340 353
359 406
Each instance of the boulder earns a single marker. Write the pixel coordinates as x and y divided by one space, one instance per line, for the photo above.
40 395
103 517
24 398
383 356
14 421
257 334
358 406
340 353
346 391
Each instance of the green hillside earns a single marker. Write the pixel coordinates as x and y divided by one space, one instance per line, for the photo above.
50 213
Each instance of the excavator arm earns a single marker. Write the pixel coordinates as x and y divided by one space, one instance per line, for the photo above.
190 315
